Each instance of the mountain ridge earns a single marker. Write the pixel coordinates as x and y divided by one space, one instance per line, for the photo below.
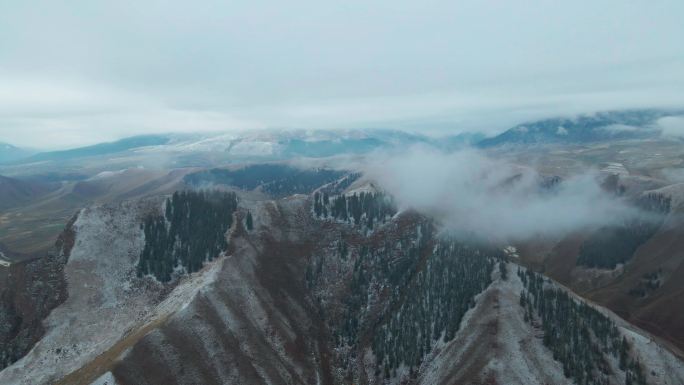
585 128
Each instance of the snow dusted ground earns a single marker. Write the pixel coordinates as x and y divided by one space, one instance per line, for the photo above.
101 304
361 186
494 342
615 168
675 192
242 320
662 367
105 300
249 325
105 379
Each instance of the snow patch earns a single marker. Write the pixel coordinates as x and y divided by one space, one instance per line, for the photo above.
105 379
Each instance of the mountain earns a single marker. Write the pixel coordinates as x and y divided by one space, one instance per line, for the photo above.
304 296
286 144
237 270
14 192
601 126
100 149
33 212
643 285
10 153
187 150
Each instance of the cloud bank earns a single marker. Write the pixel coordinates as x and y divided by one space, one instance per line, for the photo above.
477 196
672 127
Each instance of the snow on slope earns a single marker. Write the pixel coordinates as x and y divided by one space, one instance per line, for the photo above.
494 342
105 299
243 318
674 192
249 326
663 367
105 379
100 306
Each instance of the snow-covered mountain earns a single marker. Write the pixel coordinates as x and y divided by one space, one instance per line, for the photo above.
257 145
588 128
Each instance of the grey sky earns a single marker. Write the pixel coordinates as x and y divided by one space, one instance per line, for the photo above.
77 72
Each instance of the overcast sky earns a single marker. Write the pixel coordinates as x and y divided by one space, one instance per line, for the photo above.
77 72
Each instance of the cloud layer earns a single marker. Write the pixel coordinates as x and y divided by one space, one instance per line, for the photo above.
672 127
86 71
474 195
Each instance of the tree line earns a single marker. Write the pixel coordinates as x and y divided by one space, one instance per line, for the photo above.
579 336
365 208
191 231
432 305
402 294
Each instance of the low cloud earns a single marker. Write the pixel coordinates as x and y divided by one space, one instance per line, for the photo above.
475 195
672 126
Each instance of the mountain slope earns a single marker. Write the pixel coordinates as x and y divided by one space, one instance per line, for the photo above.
9 153
98 149
14 192
302 300
645 288
602 126
187 150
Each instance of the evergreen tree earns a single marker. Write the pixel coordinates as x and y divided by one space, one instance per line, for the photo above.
249 221
191 230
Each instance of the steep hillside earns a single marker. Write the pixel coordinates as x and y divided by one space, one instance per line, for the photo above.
15 192
649 292
632 272
301 299
29 290
105 301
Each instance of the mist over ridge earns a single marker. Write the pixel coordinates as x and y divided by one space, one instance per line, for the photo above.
471 193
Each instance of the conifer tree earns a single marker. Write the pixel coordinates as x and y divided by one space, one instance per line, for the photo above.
249 221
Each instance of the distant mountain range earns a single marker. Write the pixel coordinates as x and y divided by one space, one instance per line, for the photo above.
274 145
601 126
97 149
9 153
256 145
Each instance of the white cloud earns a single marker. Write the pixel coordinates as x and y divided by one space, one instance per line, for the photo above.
472 194
672 126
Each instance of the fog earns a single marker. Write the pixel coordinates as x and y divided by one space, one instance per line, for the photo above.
471 194
672 127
